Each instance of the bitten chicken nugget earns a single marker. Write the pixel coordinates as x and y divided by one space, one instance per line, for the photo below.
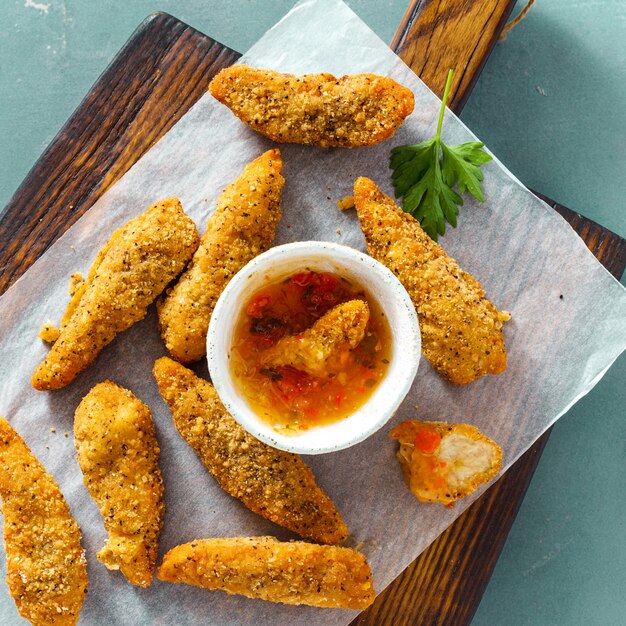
270 482
445 462
263 567
314 109
119 456
461 330
319 347
242 226
129 272
46 570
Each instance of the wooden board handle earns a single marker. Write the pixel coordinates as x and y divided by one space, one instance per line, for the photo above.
436 35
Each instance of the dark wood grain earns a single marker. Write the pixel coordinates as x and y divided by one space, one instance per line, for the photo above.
163 69
437 35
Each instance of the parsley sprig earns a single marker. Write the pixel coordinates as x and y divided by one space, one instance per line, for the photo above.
424 175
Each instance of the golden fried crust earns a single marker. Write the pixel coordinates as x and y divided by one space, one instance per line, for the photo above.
129 272
319 347
270 482
461 330
445 462
46 570
262 567
314 109
119 454
242 226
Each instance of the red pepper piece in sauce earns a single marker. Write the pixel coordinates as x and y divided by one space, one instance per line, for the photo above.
302 279
323 293
294 383
427 441
327 282
311 413
339 398
257 304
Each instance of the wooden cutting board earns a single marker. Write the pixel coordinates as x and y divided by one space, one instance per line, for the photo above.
161 71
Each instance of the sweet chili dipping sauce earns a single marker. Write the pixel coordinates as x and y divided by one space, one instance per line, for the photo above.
292 400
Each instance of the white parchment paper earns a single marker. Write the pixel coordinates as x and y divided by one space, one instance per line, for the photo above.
568 326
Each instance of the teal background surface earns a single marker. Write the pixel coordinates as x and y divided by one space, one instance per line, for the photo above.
551 104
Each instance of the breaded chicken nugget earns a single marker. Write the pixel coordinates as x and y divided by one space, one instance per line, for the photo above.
263 567
318 348
119 455
129 272
461 330
242 226
270 482
314 109
445 462
46 570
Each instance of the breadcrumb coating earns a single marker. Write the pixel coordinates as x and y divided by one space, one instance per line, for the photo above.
118 454
317 348
242 226
346 203
461 329
445 462
129 272
46 570
265 568
314 109
275 484
48 332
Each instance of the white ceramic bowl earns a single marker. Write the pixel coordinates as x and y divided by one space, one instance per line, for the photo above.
381 285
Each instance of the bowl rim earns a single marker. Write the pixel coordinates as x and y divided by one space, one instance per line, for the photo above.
223 322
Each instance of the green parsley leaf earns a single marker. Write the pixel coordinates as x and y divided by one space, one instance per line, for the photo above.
459 167
409 163
424 175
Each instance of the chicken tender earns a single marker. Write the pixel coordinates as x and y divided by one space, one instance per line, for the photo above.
242 226
118 454
445 462
318 348
263 567
461 330
314 109
270 482
129 272
46 570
